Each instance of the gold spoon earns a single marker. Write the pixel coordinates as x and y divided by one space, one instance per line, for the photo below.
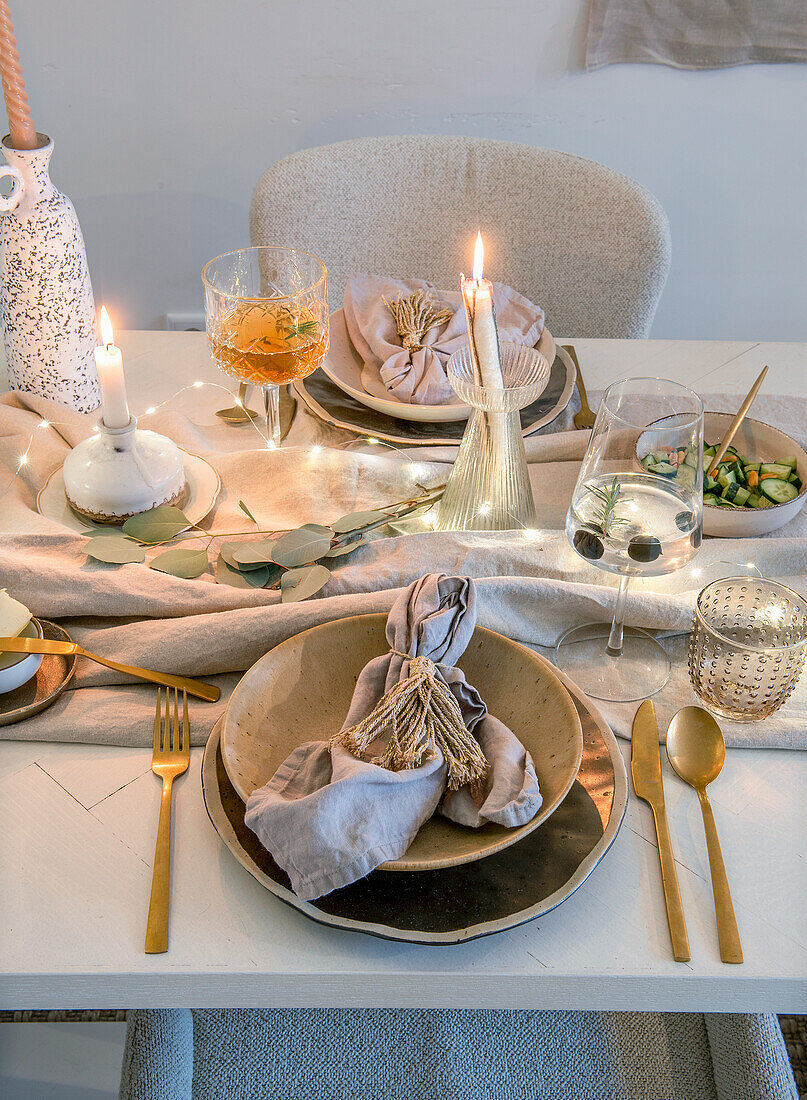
697 752
238 414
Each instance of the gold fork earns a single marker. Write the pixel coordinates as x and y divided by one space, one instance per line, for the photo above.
170 759
585 418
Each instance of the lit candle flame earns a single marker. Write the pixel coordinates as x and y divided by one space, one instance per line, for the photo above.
479 259
107 335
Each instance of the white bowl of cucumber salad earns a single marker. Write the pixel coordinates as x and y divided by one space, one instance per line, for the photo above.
759 486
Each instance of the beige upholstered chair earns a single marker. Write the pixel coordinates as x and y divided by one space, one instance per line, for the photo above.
589 245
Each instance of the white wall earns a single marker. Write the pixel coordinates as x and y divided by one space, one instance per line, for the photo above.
165 112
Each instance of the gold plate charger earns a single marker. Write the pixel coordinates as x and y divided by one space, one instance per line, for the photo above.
455 904
52 677
301 691
203 482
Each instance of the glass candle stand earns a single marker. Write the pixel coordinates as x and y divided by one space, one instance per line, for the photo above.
489 487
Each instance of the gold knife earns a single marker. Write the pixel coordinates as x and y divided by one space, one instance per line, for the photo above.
645 766
209 692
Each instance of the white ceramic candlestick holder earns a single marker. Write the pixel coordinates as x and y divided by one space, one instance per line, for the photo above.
48 313
489 487
118 472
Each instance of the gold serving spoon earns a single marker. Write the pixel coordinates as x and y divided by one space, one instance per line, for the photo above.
697 752
736 422
209 692
239 414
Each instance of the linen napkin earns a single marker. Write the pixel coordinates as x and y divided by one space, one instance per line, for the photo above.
419 377
329 818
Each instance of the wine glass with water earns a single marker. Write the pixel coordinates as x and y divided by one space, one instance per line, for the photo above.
266 315
637 511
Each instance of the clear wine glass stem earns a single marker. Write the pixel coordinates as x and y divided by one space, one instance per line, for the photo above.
271 406
614 647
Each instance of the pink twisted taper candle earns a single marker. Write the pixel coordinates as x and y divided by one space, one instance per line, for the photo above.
20 126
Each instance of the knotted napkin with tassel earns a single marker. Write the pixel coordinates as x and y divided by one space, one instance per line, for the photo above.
417 739
405 330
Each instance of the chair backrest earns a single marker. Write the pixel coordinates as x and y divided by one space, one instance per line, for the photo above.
589 245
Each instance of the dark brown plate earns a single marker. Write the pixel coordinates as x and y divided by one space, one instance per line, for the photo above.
455 904
53 676
323 397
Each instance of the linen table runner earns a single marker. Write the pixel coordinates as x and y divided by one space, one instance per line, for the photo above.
530 587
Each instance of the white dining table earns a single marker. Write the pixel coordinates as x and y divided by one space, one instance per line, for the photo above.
77 830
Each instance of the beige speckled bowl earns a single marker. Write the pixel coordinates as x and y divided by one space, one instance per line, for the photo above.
300 691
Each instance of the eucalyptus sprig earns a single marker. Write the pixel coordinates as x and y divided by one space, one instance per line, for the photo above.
293 561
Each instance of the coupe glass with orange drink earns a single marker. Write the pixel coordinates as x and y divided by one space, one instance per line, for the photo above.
266 315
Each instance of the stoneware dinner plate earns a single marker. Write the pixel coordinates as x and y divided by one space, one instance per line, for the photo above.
301 691
52 677
343 365
337 407
204 486
456 904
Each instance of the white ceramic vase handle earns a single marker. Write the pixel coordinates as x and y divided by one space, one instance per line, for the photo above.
10 201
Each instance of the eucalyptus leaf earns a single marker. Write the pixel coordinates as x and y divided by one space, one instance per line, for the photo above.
115 550
247 512
356 520
110 529
156 525
338 551
302 546
261 578
227 550
254 553
181 562
299 584
226 575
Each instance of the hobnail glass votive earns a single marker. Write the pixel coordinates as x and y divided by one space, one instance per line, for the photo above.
747 646
489 486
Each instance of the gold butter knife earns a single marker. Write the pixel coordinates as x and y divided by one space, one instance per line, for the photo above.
645 766
209 692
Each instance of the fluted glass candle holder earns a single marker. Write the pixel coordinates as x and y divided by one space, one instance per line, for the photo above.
489 487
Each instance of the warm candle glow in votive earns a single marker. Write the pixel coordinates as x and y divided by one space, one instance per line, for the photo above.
109 366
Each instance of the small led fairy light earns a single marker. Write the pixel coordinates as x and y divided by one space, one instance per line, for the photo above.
198 385
43 424
371 439
316 449
23 459
150 411
484 509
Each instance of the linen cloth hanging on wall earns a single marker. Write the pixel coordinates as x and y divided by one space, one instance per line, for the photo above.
696 34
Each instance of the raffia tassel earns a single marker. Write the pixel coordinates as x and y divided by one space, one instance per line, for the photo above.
414 316
425 719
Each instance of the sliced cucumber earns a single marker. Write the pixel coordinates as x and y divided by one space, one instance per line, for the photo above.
686 475
726 478
778 490
789 461
775 469
710 498
691 458
741 496
710 484
663 469
755 501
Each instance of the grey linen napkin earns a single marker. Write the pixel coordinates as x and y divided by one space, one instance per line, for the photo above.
419 377
329 818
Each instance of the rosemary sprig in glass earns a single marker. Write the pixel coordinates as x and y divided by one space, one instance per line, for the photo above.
605 510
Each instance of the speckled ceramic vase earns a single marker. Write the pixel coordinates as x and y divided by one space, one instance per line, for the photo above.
48 314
